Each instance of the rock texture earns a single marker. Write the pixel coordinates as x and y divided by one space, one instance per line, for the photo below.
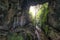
15 22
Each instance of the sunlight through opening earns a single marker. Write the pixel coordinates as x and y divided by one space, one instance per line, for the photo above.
32 10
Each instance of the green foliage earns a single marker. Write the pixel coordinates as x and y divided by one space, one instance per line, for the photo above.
19 36
29 37
42 13
14 36
46 29
42 17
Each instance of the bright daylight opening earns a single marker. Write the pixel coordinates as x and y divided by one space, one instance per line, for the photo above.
32 10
